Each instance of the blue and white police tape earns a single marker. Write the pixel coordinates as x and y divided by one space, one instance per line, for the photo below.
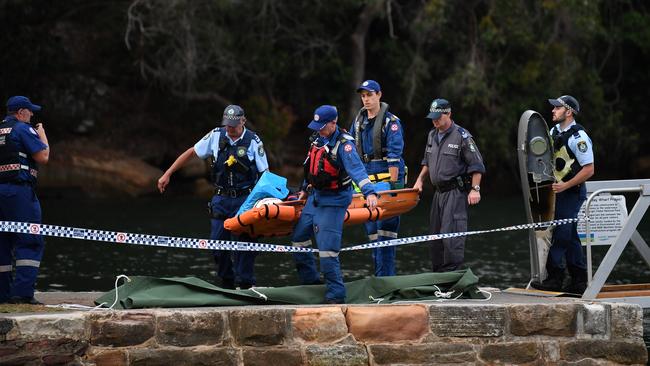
179 242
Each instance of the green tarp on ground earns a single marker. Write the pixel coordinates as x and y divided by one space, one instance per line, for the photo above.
173 292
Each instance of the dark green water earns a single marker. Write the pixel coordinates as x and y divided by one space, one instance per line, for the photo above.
499 259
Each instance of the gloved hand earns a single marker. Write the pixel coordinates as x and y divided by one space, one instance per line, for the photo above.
396 185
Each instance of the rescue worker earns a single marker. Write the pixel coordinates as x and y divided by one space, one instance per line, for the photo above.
331 165
23 146
239 161
380 141
574 164
455 166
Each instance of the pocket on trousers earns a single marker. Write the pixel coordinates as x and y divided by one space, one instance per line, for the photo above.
460 222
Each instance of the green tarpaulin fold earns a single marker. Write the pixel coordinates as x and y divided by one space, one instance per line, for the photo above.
172 292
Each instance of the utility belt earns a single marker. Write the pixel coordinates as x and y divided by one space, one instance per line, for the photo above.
462 182
231 192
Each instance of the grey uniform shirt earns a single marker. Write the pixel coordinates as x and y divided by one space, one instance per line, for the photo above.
455 154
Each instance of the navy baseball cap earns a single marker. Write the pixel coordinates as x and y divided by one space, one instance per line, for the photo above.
369 85
438 107
232 115
322 116
567 102
18 102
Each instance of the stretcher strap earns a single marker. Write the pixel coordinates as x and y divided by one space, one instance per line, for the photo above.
179 242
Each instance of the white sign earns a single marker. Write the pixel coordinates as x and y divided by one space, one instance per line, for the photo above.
608 214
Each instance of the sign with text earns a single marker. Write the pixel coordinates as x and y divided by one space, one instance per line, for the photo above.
608 214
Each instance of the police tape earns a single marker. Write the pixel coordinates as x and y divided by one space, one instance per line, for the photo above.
192 243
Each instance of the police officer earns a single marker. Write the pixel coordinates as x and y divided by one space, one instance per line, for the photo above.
574 164
22 147
331 165
379 140
455 166
239 161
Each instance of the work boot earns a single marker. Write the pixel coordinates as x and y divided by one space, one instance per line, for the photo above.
228 284
553 282
24 300
578 283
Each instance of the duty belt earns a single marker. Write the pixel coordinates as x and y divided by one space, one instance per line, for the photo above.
231 192
448 185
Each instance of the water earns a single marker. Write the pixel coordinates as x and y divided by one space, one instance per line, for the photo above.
499 259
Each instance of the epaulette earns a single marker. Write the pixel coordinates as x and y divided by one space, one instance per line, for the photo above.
463 133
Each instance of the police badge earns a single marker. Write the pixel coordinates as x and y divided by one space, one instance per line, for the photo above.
241 151
582 146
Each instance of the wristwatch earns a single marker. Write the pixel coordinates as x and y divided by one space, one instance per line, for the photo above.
477 188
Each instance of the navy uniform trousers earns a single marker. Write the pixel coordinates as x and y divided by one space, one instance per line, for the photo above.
566 243
19 203
448 215
231 266
325 223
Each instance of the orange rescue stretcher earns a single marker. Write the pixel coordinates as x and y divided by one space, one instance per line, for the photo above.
278 219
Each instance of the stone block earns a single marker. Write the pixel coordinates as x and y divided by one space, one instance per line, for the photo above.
627 321
335 355
107 357
509 353
607 350
388 323
190 328
125 329
23 352
199 356
59 325
422 354
477 320
595 319
6 325
260 327
550 320
323 325
273 357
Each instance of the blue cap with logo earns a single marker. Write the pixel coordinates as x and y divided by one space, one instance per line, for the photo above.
369 85
322 116
19 102
438 107
567 102
232 115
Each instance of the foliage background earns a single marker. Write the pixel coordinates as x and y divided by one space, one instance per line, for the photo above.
151 77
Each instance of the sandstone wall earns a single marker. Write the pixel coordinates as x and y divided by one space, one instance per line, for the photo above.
412 334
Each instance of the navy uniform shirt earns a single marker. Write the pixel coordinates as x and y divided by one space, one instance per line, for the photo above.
27 141
392 137
349 160
451 154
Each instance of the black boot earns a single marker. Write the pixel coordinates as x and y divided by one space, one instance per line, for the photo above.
553 282
578 283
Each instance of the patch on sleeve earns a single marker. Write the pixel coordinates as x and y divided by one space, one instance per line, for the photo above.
347 148
582 146
394 127
32 130
260 150
472 146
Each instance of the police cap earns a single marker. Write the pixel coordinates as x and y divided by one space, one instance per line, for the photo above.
18 102
232 115
438 107
567 102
